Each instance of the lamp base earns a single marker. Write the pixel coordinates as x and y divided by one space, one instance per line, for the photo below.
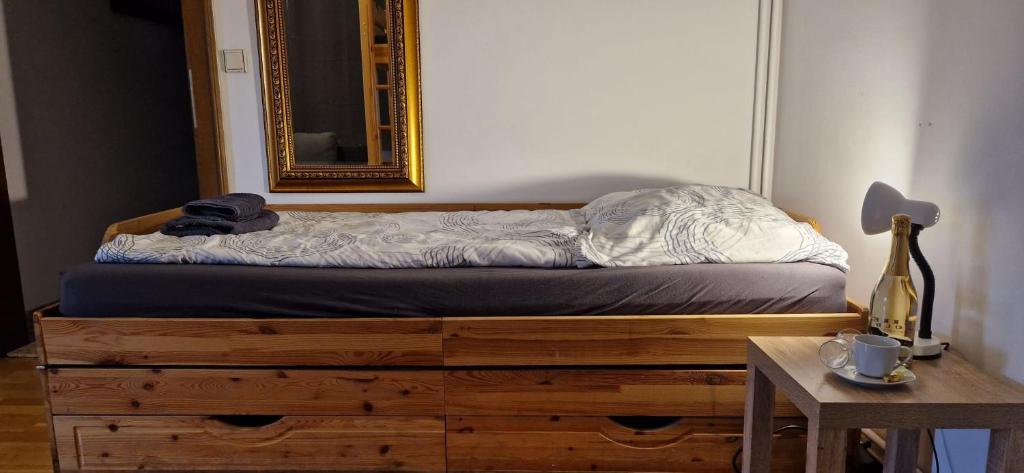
925 348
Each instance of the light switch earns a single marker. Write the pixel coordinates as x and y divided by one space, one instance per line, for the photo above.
233 60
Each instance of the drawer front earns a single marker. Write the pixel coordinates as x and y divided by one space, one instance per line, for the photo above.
97 391
299 443
702 393
497 443
236 341
583 340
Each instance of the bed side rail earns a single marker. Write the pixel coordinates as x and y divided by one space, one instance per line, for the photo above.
712 340
141 225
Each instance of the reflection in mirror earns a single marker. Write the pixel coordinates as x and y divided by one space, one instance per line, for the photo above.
380 22
341 94
335 65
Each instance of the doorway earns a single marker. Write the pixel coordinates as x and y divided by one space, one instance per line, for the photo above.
13 327
116 116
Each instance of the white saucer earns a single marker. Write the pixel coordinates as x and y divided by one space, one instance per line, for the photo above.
850 374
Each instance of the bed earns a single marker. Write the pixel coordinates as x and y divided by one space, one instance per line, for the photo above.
508 373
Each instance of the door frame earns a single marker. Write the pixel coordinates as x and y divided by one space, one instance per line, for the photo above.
201 56
13 317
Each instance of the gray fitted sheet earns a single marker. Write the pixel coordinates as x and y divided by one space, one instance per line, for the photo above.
168 290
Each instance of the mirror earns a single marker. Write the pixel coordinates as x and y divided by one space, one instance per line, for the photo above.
341 95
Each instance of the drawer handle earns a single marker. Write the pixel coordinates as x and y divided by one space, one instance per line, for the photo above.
254 421
646 423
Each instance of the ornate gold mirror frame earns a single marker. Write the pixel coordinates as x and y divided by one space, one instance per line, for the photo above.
404 172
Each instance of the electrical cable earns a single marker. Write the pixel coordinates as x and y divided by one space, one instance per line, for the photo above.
736 456
931 438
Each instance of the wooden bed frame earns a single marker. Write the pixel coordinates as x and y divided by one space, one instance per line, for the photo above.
541 393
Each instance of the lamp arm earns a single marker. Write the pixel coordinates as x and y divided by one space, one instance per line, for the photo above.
928 302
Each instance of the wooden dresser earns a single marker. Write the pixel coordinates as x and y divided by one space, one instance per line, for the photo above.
543 393
615 393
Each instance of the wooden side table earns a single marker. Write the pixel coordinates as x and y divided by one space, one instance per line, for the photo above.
948 393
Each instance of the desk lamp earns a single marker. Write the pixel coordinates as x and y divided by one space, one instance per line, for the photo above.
881 203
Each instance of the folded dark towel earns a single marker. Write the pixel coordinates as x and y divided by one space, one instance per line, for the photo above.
191 225
236 207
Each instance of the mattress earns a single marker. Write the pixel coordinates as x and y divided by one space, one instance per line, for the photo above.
195 290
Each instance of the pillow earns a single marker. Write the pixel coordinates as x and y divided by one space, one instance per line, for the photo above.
316 147
698 224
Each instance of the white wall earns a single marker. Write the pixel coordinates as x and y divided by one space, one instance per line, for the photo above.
928 96
849 85
535 100
971 162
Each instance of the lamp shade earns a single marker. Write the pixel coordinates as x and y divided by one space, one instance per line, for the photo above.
883 201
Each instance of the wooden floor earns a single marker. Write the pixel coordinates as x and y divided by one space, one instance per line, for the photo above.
24 444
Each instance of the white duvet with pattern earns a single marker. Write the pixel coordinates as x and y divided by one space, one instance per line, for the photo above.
676 225
542 239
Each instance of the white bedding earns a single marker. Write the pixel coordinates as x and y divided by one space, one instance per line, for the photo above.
677 225
698 224
540 238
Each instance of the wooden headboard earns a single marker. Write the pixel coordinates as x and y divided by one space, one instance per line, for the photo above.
152 222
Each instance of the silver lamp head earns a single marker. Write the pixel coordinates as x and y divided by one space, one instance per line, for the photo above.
883 201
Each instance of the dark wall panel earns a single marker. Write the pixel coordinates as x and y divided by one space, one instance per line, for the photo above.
106 129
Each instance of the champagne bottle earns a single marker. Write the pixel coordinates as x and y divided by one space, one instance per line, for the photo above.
894 300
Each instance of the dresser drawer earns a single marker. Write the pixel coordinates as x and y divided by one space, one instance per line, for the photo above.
290 443
198 341
131 391
593 443
701 393
555 443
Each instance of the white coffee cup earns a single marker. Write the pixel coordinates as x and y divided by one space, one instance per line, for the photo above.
877 356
